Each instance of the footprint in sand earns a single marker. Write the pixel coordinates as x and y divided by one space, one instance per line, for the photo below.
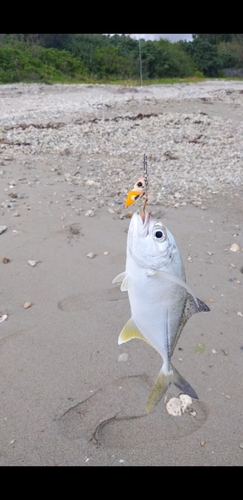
85 301
114 417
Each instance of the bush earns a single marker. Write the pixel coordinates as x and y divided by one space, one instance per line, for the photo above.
20 62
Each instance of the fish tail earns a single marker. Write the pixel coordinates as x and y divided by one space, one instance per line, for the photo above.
183 385
162 383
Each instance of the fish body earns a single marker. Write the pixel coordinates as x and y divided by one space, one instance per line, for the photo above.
161 301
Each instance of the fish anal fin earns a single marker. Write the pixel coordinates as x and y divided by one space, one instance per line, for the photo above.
130 331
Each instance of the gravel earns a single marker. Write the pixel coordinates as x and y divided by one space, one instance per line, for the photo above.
93 138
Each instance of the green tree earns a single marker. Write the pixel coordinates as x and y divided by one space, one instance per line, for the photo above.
205 56
171 61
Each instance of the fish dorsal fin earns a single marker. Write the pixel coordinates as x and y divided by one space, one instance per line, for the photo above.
174 279
191 307
130 331
123 279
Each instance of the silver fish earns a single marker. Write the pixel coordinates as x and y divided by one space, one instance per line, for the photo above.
161 301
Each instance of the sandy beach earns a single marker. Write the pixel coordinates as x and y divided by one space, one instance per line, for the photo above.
68 156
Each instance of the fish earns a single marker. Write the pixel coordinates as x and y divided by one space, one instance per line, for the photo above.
137 192
161 301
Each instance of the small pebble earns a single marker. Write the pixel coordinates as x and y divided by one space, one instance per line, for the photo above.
106 253
32 263
5 260
241 446
90 213
27 305
91 255
202 443
123 357
235 248
3 318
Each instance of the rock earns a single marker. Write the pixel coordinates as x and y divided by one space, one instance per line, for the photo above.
2 229
178 406
173 407
5 260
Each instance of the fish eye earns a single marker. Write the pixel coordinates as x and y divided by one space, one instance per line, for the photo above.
139 184
159 234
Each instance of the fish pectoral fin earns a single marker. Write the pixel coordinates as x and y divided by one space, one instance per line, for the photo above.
162 383
130 331
174 279
123 279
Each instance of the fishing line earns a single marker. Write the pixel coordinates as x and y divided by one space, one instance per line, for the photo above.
145 175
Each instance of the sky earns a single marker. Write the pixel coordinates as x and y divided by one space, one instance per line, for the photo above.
171 37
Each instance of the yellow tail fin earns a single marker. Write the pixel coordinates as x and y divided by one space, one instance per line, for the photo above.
162 383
